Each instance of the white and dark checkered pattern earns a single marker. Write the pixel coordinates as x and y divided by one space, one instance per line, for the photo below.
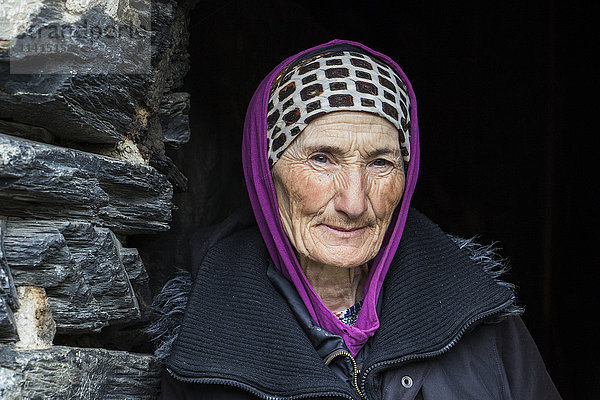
335 81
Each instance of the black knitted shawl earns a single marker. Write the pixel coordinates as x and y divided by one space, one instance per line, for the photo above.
237 329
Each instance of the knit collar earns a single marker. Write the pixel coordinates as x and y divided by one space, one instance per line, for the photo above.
238 330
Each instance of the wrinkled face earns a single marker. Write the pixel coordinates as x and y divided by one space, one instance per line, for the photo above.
337 186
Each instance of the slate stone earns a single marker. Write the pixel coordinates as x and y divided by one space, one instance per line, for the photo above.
60 68
31 132
8 295
82 269
8 332
132 261
7 287
50 182
38 255
174 119
77 373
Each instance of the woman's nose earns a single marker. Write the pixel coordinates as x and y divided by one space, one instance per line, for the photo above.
351 198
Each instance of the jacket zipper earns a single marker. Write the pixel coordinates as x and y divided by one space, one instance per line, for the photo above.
356 371
361 390
452 343
253 390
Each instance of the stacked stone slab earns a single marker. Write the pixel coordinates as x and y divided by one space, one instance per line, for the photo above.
82 167
84 374
8 295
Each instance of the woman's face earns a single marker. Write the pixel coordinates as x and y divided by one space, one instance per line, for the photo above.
337 186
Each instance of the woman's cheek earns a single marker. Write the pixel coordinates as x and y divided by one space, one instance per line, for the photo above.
311 190
387 194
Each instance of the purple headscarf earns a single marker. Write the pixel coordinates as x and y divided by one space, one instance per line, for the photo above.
264 203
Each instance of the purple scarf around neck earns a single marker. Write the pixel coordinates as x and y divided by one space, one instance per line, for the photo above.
264 204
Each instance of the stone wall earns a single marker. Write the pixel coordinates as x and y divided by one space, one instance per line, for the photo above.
84 124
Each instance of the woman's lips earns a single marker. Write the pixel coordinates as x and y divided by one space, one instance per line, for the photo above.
344 232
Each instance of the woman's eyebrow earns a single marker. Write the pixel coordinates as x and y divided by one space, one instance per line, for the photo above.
325 149
385 151
338 150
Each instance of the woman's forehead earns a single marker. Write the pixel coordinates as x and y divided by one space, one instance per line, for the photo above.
342 118
350 129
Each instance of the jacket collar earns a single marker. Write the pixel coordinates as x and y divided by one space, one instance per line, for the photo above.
238 330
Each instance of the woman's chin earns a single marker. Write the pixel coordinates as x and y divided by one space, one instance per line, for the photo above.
343 249
341 259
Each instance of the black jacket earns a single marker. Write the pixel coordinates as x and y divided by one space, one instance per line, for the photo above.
449 330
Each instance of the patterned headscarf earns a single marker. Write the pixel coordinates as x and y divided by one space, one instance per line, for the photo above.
255 151
334 80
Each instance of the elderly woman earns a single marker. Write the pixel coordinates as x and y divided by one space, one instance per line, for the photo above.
333 287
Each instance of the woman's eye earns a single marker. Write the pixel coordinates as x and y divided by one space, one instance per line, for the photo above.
380 162
320 158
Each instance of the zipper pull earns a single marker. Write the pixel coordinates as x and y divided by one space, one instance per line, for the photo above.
355 370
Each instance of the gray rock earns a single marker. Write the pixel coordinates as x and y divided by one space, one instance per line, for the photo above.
8 295
99 259
137 275
87 64
166 166
77 373
82 109
8 331
36 133
7 288
82 269
174 119
38 255
50 182
88 86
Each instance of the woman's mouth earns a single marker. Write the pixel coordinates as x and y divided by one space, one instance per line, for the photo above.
345 231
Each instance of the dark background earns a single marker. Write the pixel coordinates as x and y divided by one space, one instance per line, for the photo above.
507 114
